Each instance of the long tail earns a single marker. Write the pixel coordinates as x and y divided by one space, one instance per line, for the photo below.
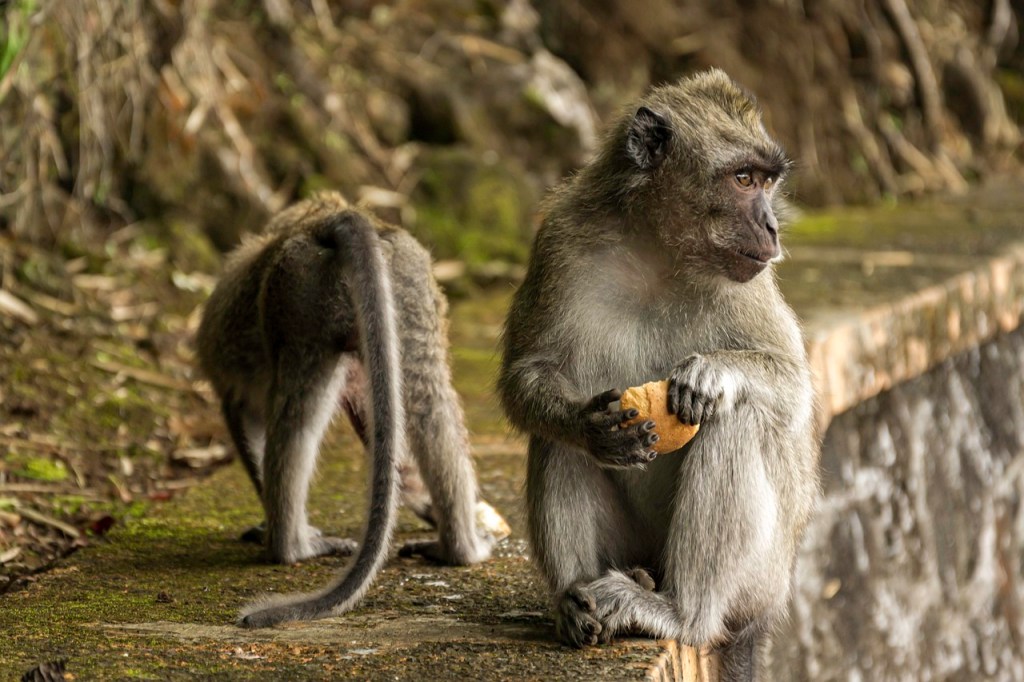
361 260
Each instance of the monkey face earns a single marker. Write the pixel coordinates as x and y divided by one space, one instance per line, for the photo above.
751 238
706 172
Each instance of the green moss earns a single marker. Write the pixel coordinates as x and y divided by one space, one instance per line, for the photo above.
315 182
473 210
190 248
14 33
43 469
815 223
1011 82
336 142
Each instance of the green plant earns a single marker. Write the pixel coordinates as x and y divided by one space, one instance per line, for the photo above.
14 32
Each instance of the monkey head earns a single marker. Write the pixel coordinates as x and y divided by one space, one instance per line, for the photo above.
697 169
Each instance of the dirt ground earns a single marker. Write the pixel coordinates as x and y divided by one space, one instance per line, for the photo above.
100 411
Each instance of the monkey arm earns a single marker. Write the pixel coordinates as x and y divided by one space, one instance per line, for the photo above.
539 395
541 400
622 606
706 384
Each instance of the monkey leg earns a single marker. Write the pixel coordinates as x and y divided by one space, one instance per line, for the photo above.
248 434
436 430
727 558
299 416
354 401
578 529
415 495
439 443
743 657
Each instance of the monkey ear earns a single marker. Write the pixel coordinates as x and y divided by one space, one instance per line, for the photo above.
647 139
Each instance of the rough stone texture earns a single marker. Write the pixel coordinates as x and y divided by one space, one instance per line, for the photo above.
886 296
911 569
684 664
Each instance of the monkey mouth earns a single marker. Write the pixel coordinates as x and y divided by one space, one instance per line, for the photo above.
762 258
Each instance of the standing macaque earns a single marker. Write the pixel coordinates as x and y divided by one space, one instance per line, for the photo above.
655 262
329 308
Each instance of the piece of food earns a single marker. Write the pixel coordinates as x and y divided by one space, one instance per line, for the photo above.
651 401
488 519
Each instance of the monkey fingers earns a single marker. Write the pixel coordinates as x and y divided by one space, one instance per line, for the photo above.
600 402
574 619
615 446
694 390
615 599
695 407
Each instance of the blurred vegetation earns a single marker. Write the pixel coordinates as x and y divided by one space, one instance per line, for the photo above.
452 117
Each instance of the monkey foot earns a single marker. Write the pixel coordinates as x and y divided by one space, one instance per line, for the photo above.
642 578
254 535
575 618
324 545
316 546
319 544
438 553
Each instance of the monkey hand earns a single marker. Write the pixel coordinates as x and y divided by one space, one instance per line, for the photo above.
697 389
613 445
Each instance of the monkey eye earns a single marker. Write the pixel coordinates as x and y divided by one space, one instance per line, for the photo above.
769 182
745 179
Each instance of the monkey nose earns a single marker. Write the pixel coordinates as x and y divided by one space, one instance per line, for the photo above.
766 219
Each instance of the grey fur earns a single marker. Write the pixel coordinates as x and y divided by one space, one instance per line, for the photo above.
330 308
638 274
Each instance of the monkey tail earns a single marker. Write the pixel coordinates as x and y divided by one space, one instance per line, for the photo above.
362 261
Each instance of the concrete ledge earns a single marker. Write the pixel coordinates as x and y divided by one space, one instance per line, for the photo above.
897 292
678 662
858 358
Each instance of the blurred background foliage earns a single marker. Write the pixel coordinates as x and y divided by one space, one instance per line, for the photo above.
452 117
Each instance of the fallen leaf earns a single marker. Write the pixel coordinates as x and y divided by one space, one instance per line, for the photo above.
102 524
197 458
144 375
37 517
12 306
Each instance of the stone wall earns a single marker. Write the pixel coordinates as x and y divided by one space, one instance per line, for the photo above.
912 567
